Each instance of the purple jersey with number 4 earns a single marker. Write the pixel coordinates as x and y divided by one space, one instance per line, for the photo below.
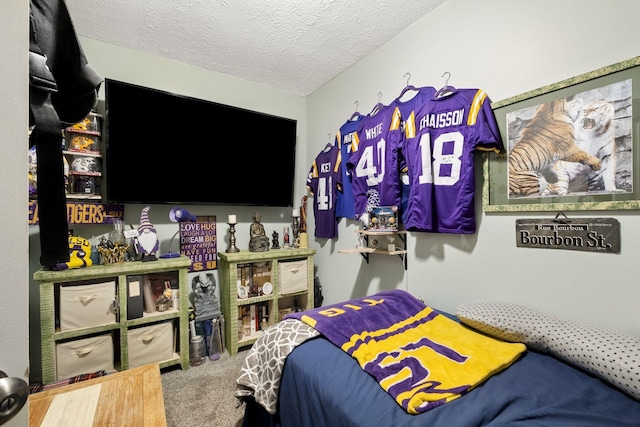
323 181
440 160
373 163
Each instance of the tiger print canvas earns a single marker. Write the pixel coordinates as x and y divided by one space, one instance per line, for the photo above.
595 133
577 145
548 137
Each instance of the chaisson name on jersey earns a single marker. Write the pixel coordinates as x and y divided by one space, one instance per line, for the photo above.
442 120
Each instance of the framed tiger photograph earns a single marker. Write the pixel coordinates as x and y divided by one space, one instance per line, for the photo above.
569 146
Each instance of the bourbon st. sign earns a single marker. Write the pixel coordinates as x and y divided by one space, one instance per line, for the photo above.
582 234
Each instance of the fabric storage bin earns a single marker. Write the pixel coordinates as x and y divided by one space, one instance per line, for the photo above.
83 306
84 356
292 276
150 344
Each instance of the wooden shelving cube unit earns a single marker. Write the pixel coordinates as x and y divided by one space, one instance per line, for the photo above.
51 334
300 289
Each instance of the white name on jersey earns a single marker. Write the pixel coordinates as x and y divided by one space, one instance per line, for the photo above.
348 139
374 131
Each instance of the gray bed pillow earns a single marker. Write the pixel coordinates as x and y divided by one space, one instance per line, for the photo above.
609 355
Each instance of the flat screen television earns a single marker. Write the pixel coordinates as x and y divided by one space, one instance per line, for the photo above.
165 148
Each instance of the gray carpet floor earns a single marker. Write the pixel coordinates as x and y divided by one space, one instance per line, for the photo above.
203 395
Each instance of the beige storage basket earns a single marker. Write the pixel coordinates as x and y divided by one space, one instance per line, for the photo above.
84 356
84 306
150 344
292 276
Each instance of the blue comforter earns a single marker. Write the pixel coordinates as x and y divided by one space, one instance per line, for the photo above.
323 386
419 356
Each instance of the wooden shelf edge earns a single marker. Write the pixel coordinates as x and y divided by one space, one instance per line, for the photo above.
112 270
371 251
380 232
157 316
80 332
356 251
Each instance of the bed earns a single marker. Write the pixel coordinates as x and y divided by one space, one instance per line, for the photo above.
567 374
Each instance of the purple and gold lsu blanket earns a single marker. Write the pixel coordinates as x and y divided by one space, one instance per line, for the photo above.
422 358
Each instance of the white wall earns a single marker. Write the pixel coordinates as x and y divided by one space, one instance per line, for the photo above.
506 48
14 108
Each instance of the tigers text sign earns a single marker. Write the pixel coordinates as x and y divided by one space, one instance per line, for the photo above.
83 213
583 234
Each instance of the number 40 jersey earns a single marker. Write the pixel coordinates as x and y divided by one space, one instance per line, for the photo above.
373 162
439 159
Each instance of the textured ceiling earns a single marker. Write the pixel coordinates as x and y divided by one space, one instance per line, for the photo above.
296 46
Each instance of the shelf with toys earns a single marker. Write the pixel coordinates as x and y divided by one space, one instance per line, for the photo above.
83 158
381 222
370 244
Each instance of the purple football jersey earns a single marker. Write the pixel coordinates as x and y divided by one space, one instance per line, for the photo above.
407 110
323 181
440 160
412 103
373 163
346 207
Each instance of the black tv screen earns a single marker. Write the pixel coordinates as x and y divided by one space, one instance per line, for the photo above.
163 147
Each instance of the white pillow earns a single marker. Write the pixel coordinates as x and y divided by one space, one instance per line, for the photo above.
611 356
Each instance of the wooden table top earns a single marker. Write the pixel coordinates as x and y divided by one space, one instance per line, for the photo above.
128 398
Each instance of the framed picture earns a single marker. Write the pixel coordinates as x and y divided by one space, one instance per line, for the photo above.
569 146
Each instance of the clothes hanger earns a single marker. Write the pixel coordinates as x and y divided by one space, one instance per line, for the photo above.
407 88
356 114
445 90
329 144
378 106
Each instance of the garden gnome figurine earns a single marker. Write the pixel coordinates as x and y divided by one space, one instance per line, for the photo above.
148 242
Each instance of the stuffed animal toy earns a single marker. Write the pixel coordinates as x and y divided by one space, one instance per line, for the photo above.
79 254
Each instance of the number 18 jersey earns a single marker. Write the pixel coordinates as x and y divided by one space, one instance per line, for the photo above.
440 160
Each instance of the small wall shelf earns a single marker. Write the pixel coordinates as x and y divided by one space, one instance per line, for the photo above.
379 248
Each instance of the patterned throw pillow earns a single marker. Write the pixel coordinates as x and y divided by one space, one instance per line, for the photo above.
610 355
